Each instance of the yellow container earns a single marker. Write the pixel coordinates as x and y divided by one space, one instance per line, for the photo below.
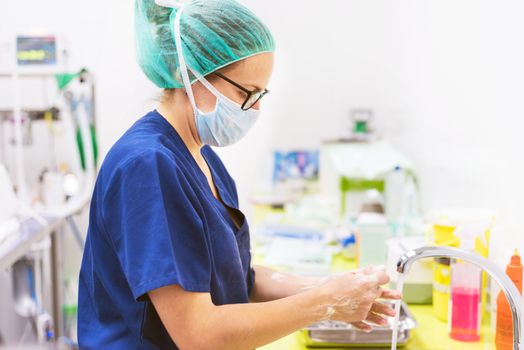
441 287
482 248
444 235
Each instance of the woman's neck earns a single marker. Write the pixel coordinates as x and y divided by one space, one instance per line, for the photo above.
177 110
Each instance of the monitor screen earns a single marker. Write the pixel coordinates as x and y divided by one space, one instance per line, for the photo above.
36 50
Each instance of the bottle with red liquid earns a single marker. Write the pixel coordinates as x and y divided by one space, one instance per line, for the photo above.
504 335
465 302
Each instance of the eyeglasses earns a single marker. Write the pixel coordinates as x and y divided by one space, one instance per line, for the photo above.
253 96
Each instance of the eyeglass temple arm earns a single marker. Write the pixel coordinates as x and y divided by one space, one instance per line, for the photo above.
233 83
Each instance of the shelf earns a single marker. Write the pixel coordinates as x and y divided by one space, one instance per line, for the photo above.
30 233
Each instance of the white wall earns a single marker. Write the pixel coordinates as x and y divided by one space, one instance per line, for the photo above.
444 77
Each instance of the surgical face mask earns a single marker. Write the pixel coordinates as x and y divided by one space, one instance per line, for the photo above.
227 123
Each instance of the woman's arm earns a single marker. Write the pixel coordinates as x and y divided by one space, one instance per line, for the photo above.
273 285
195 323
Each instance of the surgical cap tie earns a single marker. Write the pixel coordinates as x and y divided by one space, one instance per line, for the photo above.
182 60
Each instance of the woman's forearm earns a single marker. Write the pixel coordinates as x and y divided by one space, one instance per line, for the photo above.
248 326
272 285
195 323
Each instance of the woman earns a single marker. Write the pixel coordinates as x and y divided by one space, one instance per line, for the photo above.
167 263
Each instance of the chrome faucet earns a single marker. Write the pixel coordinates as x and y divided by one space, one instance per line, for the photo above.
511 292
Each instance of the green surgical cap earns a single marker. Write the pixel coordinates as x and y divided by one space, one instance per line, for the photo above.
214 33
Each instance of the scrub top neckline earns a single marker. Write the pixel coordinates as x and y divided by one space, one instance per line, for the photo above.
222 202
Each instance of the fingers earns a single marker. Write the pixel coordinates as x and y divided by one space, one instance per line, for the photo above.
377 279
391 294
383 277
376 319
362 326
382 309
378 272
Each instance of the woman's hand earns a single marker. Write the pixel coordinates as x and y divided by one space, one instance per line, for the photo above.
352 297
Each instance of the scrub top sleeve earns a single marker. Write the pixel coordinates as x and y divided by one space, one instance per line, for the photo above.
152 217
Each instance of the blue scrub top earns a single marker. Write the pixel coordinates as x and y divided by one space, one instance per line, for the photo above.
154 222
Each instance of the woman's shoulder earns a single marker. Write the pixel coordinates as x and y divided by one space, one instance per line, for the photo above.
147 143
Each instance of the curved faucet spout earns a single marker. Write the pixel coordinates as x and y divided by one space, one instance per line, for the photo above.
510 291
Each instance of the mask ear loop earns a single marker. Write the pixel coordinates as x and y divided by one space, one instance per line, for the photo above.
213 89
208 85
182 61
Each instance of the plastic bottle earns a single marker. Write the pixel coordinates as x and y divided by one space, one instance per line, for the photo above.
394 194
411 209
465 302
504 334
372 233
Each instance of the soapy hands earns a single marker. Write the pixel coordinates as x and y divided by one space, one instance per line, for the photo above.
352 297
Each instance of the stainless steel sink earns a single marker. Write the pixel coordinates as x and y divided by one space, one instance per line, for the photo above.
340 334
